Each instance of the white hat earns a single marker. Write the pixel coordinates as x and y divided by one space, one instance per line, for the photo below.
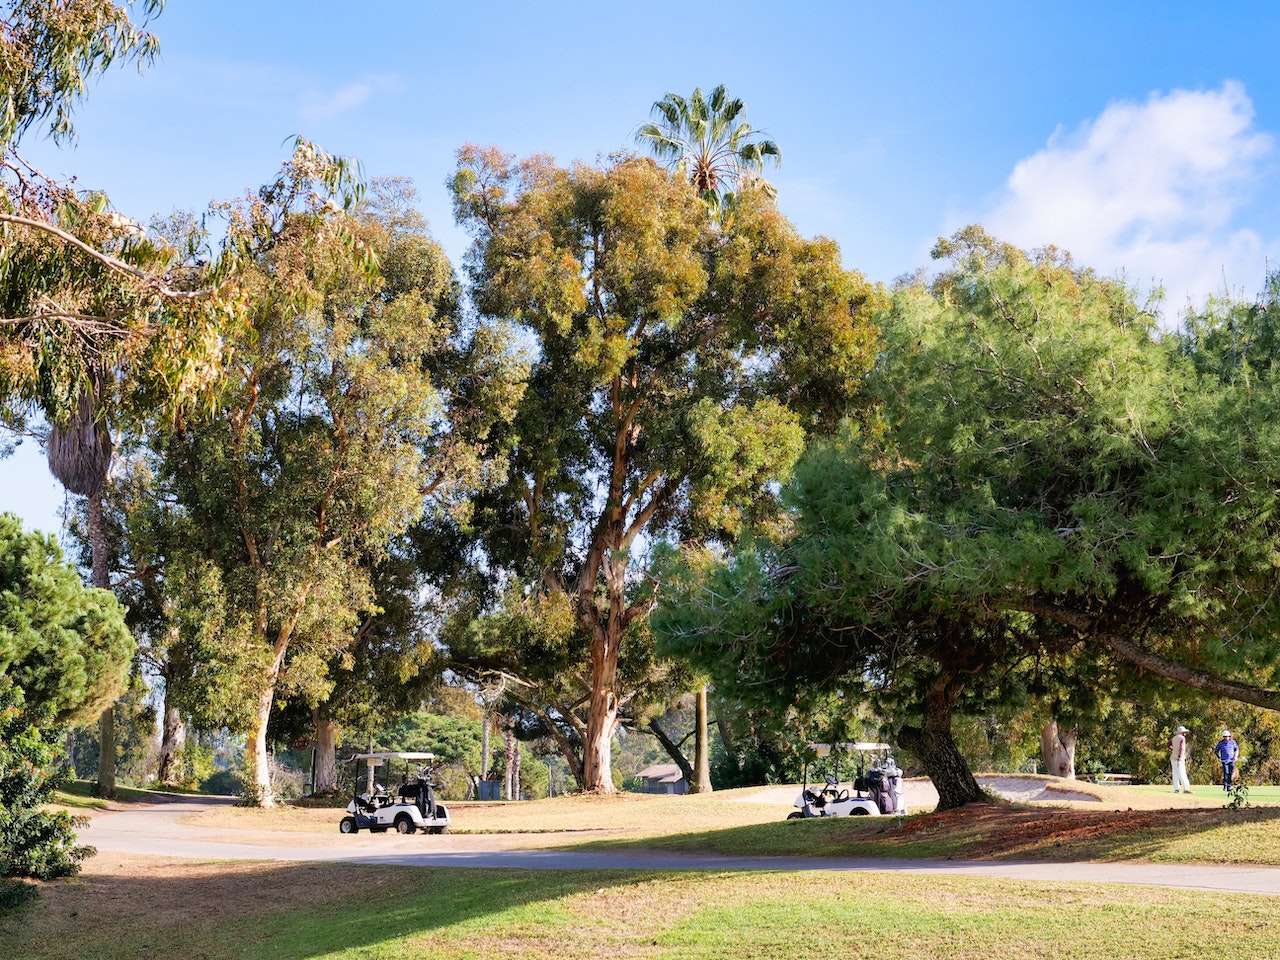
1225 734
1181 729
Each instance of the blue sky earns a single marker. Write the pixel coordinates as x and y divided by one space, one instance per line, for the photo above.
1143 138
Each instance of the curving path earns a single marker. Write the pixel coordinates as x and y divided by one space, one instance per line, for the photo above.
156 831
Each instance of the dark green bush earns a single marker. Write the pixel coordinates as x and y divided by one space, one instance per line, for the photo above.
34 842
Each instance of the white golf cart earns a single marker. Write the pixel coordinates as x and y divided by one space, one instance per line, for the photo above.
412 807
875 790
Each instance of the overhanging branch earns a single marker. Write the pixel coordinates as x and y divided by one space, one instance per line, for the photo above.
105 259
1153 662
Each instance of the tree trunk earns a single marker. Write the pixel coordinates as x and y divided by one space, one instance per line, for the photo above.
325 776
515 770
934 746
726 737
106 722
674 752
171 741
509 739
602 712
1058 750
701 782
257 762
485 727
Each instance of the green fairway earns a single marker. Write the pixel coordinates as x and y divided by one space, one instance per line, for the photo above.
1264 793
278 912
123 906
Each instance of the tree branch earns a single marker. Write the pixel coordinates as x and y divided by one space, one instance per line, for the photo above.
1155 663
105 259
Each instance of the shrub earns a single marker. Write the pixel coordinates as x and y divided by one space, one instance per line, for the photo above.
34 842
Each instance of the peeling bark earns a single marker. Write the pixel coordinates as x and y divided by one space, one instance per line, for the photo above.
325 775
171 741
1058 750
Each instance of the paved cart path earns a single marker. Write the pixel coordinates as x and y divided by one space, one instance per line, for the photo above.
157 830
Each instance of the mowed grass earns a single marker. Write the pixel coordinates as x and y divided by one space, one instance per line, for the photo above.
79 794
1008 832
726 823
127 907
624 815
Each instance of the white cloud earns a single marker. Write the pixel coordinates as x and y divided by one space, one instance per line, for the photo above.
325 106
1154 190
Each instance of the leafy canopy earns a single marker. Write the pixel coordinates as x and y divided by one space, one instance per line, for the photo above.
64 644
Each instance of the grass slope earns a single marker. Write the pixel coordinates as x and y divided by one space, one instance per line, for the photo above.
124 906
130 907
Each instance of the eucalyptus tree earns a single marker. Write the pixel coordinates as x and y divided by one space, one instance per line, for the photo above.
708 140
97 317
340 416
533 648
677 364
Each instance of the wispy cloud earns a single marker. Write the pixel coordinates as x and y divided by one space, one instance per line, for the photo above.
317 106
1150 189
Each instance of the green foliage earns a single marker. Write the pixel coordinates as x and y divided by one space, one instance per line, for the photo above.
678 361
195 766
1048 492
34 842
54 47
65 645
271 516
455 741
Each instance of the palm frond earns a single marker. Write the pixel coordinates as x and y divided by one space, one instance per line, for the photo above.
707 138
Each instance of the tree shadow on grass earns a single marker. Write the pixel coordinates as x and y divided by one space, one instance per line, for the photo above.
978 832
123 906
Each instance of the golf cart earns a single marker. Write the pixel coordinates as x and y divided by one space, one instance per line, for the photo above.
875 790
412 807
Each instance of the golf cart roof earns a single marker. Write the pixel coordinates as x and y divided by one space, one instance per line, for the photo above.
862 746
393 756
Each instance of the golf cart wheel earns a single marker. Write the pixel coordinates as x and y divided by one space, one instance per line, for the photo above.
796 815
405 824
443 829
348 825
859 812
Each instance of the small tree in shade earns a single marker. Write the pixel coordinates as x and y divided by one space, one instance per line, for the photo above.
64 654
34 841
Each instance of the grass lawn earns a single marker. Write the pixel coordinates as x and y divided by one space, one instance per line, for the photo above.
79 794
1266 793
123 906
1133 823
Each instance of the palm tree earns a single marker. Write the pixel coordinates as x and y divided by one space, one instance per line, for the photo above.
79 453
707 139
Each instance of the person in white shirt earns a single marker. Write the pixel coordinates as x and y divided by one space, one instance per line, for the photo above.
1178 760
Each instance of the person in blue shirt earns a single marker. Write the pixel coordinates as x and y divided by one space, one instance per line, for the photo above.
1226 751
